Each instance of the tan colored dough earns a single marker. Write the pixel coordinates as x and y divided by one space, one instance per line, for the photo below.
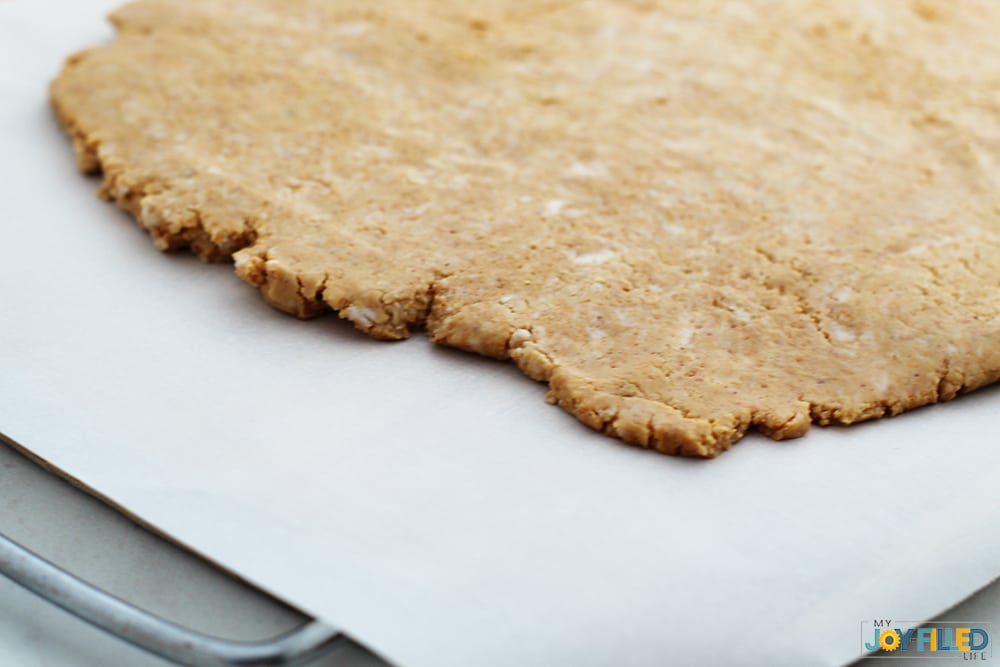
687 218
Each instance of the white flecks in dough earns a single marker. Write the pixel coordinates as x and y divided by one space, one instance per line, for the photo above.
598 257
241 259
554 206
519 338
416 176
148 217
840 333
684 335
419 210
352 28
741 315
363 317
592 169
843 295
119 190
922 248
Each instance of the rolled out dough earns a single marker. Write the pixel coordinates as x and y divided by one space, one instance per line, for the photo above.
688 218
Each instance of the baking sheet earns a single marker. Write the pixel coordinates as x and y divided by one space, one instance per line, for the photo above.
429 501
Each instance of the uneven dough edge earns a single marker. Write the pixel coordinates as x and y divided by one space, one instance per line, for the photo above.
221 235
211 241
633 420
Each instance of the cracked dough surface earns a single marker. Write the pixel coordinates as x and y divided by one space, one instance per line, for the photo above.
688 218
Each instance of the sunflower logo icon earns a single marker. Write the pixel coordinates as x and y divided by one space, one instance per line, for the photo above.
888 640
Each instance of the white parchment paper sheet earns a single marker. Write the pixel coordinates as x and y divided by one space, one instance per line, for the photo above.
429 501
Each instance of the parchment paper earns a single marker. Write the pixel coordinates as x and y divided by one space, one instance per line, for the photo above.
428 501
